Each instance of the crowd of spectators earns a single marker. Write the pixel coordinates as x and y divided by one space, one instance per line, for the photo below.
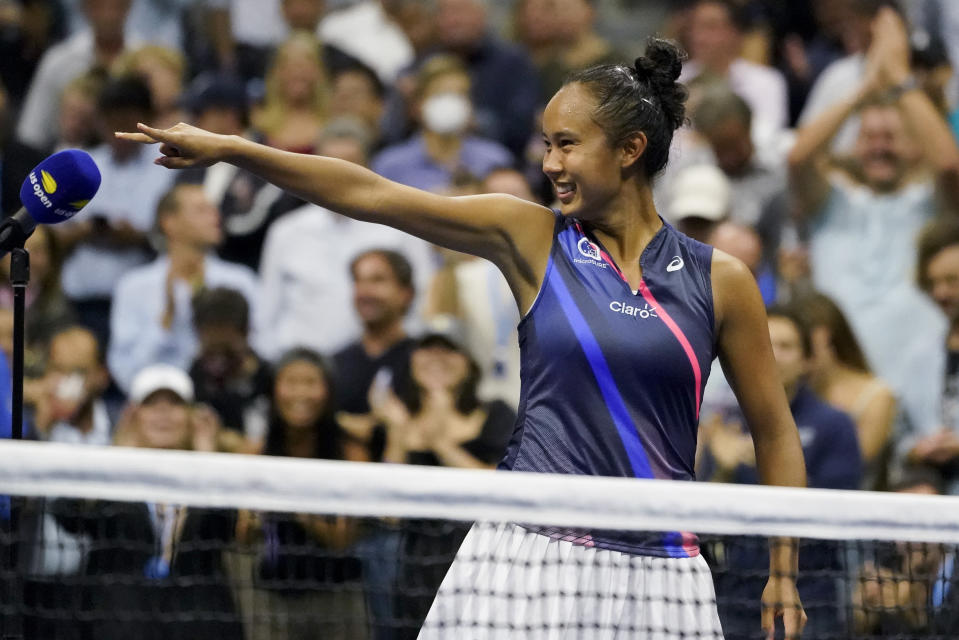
207 309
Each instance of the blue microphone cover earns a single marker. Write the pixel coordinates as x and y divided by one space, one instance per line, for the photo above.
60 186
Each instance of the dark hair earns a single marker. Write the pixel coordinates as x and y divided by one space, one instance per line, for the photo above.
327 432
399 265
221 306
126 92
820 311
934 238
793 314
644 97
218 91
465 394
718 104
358 67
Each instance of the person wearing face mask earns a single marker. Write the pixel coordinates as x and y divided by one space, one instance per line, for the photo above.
442 145
227 374
160 564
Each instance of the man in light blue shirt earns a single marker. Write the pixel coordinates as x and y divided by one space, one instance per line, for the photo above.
865 214
152 317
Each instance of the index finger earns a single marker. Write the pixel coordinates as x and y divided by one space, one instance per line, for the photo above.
135 137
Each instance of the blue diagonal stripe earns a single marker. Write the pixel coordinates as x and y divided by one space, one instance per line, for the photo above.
604 378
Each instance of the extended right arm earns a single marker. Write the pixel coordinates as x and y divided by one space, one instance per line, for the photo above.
512 233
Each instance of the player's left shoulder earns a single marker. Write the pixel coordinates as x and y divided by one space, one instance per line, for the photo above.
734 287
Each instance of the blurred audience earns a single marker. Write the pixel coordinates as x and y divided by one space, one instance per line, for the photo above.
758 184
503 82
27 29
297 95
373 32
833 461
69 408
16 158
247 203
164 562
936 443
908 589
357 92
297 289
858 22
437 420
715 48
227 374
840 375
95 46
164 71
443 144
152 316
472 297
865 214
110 238
560 37
77 119
47 309
699 200
383 293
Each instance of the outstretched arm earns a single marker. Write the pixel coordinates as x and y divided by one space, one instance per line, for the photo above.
512 233
747 359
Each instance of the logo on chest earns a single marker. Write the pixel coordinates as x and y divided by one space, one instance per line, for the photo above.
591 251
645 311
588 249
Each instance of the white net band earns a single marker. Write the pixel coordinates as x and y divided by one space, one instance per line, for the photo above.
357 489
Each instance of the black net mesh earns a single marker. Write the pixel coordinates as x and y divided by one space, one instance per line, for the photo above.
99 569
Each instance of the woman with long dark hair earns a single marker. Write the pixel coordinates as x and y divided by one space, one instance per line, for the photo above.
310 577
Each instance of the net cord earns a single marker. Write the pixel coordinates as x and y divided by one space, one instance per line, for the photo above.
367 489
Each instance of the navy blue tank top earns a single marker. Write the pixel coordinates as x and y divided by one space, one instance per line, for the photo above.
612 379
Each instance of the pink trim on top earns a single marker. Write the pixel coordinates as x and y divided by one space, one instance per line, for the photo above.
687 347
670 323
690 543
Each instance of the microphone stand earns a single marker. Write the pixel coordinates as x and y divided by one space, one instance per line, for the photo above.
19 278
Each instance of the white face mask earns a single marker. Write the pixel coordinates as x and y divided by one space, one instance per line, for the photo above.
446 113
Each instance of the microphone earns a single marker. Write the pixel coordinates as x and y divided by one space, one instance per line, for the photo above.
54 191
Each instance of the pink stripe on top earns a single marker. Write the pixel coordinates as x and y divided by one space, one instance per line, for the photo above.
687 347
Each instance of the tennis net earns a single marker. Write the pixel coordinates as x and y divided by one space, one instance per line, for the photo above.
132 543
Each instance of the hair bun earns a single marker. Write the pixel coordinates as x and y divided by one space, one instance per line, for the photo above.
662 63
659 68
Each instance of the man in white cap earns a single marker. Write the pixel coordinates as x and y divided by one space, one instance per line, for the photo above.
699 200
163 415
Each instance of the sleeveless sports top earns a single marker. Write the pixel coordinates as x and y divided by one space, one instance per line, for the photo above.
612 379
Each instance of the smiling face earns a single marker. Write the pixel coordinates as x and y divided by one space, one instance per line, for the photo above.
882 147
301 393
585 169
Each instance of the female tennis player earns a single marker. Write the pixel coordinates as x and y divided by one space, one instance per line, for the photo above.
622 317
